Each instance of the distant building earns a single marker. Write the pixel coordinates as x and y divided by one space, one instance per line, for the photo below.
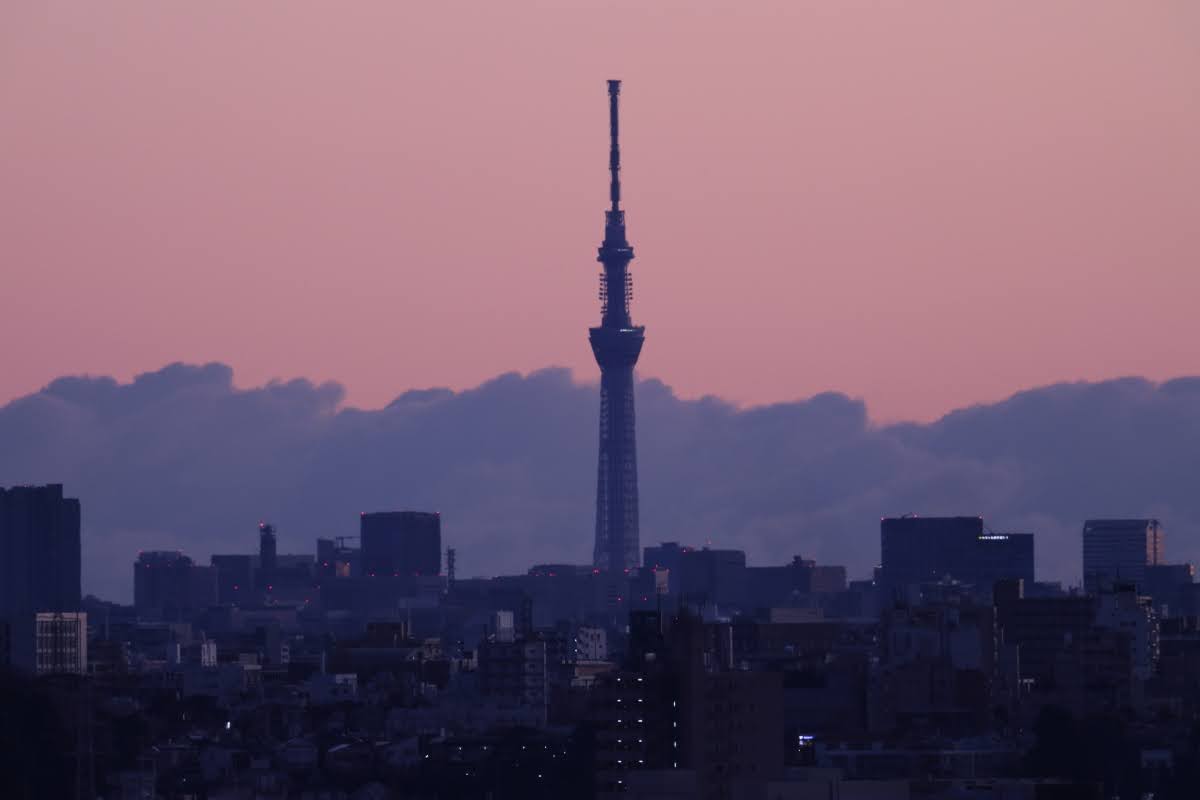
39 561
61 643
700 575
335 560
1119 550
918 550
267 550
167 585
790 584
235 577
401 543
1172 587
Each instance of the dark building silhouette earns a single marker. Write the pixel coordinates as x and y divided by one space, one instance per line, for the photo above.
39 560
700 575
401 543
267 549
1173 588
235 577
1040 626
1120 550
917 550
616 343
167 585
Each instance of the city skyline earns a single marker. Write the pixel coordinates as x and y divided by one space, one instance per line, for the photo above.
903 194
809 478
886 527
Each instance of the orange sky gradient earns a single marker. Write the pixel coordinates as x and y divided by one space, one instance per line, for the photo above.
925 205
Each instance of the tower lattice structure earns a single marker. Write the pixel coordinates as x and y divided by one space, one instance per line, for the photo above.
616 343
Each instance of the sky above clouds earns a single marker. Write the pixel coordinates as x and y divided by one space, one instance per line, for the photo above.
919 205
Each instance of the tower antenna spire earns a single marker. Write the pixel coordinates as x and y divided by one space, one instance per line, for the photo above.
614 152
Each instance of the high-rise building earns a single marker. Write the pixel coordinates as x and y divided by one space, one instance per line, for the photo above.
616 344
39 561
1119 550
917 550
401 543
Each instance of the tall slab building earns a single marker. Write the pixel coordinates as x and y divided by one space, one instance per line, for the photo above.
616 343
39 561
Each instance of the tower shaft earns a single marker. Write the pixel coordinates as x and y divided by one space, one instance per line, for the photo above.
616 344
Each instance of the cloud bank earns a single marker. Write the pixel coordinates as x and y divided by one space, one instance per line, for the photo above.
181 458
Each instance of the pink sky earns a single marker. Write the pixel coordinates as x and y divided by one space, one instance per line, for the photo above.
922 204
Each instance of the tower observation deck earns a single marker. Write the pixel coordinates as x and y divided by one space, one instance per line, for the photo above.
616 343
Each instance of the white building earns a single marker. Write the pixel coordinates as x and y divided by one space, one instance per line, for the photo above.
591 644
61 643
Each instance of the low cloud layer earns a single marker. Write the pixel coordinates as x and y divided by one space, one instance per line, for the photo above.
181 459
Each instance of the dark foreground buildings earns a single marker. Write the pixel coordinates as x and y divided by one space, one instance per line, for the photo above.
709 678
616 343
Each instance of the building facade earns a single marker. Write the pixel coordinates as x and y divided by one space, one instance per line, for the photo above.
1119 550
401 543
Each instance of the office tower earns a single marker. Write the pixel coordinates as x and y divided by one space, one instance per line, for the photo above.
39 561
401 543
167 585
616 344
917 550
1119 550
61 643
